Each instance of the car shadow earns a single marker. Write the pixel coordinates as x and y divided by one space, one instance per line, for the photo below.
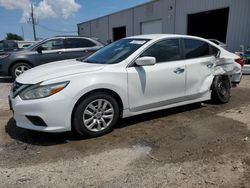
39 138
6 80
157 114
48 139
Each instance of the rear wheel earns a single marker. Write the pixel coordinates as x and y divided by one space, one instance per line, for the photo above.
221 89
19 69
96 114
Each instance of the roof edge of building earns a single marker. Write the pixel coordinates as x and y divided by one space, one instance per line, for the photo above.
143 4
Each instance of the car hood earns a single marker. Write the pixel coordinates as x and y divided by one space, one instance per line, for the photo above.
56 70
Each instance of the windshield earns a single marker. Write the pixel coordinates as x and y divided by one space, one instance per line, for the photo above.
32 46
116 52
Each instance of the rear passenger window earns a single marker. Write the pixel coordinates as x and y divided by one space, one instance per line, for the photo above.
214 51
195 48
78 43
166 50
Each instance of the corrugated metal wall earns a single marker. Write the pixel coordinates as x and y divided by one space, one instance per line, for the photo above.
123 18
238 31
174 14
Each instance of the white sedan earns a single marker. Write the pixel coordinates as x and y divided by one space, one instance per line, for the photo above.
131 76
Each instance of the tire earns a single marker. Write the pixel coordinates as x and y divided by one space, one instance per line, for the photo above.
95 115
221 90
19 68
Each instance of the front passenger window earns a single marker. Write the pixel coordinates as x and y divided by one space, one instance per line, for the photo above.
53 44
163 51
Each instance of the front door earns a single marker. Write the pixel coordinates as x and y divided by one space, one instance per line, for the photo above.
161 84
53 50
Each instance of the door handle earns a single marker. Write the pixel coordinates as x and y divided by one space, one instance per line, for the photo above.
179 70
59 52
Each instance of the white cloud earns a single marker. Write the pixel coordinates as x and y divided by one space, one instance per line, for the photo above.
44 9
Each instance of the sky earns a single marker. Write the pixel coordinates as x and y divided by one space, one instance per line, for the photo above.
54 17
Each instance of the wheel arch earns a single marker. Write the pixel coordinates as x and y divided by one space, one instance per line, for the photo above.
224 76
108 91
19 61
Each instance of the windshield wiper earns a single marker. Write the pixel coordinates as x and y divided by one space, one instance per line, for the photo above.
89 61
82 59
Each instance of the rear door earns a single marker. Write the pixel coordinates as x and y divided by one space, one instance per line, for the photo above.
199 60
161 84
79 47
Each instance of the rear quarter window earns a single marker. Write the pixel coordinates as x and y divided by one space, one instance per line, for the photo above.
213 50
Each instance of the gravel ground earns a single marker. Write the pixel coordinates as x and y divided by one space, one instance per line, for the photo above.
192 146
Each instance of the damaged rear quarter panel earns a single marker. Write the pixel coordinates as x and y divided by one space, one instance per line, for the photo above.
226 65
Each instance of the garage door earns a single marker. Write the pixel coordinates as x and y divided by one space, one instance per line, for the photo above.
210 24
151 27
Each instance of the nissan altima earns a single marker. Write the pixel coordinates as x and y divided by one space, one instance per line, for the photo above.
135 75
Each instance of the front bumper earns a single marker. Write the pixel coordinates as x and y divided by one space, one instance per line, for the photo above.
55 112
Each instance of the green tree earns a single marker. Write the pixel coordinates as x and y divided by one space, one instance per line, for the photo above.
12 36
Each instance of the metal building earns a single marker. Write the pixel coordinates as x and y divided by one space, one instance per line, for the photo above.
225 20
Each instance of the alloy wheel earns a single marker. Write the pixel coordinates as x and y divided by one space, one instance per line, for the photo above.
20 70
98 115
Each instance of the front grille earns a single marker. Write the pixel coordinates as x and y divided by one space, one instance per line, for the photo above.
16 86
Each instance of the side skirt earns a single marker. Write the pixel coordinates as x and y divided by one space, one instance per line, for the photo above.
128 112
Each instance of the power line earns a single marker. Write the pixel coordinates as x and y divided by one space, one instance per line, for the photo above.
54 30
32 20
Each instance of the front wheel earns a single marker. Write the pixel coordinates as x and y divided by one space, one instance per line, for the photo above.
96 114
221 90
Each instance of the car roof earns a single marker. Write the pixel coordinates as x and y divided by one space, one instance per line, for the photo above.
158 36
70 36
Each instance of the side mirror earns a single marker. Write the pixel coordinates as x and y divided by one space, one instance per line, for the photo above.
40 49
145 61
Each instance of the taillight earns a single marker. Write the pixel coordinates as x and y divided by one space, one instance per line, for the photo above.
240 61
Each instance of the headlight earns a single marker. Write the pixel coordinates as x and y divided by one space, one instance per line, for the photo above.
4 56
42 91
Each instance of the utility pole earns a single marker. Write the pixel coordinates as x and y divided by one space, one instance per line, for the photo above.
22 32
33 21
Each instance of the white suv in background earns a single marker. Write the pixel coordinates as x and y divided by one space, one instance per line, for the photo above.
131 76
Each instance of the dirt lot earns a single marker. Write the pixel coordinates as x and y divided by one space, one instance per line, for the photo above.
193 146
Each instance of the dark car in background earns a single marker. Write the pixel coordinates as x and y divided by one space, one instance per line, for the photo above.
13 45
56 48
